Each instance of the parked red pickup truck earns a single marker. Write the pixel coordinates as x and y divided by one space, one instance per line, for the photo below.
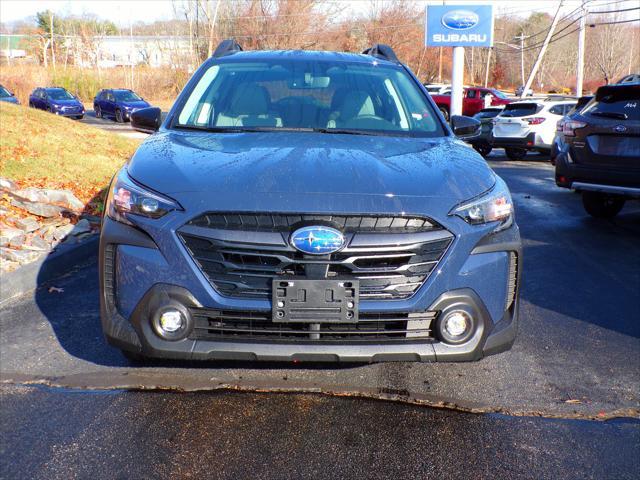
472 102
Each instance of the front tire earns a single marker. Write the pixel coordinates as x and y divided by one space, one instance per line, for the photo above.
98 111
515 153
119 117
482 149
601 205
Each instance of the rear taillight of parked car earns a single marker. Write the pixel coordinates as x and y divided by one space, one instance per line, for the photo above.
535 120
570 127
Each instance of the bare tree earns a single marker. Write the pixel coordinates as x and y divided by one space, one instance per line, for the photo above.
606 49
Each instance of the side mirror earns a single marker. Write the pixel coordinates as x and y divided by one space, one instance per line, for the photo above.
147 120
465 127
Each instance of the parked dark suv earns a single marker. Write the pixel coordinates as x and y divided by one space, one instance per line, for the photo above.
600 155
558 140
117 103
308 206
481 143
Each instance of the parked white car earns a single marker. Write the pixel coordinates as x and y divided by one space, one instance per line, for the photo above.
437 88
528 125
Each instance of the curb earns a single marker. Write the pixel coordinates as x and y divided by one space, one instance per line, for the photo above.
48 267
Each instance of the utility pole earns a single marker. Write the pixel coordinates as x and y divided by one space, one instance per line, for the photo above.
521 37
133 53
581 35
556 18
53 52
486 72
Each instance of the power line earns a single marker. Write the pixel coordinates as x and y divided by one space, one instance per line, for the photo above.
545 30
615 23
615 11
555 39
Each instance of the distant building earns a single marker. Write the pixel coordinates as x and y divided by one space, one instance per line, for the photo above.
155 51
12 46
105 51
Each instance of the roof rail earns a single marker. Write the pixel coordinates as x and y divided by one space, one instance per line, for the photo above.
227 47
380 50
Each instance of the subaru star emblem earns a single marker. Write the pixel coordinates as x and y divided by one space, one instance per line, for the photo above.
620 128
317 240
460 19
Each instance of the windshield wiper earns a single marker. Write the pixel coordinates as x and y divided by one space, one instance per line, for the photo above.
346 131
241 129
617 115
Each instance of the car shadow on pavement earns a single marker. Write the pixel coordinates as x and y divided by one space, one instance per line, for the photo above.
575 265
587 269
71 305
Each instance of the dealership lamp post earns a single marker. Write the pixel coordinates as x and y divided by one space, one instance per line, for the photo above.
457 81
580 65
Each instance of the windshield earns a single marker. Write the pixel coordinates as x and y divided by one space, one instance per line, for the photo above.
126 96
327 96
621 103
4 93
59 94
487 113
499 94
520 109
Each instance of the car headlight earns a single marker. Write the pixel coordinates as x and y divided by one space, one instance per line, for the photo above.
128 198
494 206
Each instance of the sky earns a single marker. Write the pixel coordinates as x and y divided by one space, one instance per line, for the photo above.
122 12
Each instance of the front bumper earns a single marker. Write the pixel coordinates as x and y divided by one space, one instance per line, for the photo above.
135 276
72 113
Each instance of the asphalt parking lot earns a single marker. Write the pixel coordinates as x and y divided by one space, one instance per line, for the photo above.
577 357
109 123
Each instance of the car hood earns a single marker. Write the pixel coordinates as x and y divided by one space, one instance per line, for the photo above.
137 104
9 99
66 103
310 163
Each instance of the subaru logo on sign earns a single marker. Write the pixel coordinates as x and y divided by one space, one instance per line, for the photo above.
317 240
460 19
620 128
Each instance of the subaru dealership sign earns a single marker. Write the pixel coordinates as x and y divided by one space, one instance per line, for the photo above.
459 26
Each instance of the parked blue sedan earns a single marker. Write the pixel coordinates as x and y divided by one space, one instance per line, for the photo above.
7 96
117 103
57 100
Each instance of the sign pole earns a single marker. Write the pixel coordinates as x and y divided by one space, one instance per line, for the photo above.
457 81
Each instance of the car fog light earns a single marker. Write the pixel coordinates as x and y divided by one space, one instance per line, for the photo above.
171 321
456 326
457 323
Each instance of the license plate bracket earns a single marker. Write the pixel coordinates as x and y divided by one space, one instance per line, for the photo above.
315 301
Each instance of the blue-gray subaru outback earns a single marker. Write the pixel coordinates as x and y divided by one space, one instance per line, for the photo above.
308 206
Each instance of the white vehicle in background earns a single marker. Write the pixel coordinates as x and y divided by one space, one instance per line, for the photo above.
520 90
529 125
437 88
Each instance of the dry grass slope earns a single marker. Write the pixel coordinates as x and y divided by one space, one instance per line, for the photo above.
41 149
